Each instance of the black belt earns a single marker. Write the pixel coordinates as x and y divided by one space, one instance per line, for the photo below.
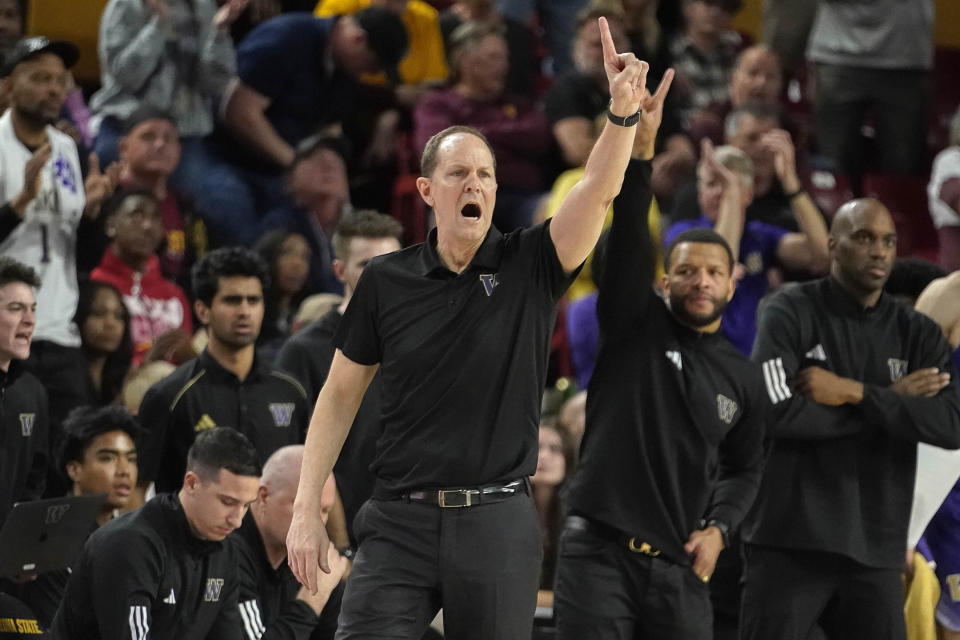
633 543
468 497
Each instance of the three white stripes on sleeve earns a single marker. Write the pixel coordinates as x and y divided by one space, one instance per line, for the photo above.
776 379
139 622
252 623
249 611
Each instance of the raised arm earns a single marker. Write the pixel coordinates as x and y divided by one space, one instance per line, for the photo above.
336 409
807 249
627 284
577 223
732 214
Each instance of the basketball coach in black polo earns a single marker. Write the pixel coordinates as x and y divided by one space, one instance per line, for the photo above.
459 327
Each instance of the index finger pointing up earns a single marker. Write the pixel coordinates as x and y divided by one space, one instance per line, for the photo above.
609 48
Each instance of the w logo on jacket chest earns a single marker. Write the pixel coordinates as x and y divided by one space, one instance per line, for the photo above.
282 413
898 368
26 424
726 408
212 592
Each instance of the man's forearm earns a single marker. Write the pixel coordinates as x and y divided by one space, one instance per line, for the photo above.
249 122
336 408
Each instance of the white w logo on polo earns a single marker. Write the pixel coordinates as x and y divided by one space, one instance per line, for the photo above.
726 408
282 413
26 424
898 368
212 592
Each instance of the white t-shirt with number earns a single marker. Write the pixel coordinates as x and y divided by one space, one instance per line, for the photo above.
47 238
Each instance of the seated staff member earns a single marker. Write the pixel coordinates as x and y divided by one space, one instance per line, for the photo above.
272 602
98 454
164 571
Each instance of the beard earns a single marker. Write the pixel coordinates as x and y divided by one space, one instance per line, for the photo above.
35 116
678 305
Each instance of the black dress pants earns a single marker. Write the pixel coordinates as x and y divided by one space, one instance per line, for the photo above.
481 564
793 594
605 591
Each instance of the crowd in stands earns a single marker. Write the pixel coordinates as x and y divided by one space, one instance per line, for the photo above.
180 243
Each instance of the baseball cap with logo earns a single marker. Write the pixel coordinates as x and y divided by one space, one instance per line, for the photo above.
28 48
387 36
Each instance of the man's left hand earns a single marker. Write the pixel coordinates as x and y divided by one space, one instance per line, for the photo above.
704 546
828 388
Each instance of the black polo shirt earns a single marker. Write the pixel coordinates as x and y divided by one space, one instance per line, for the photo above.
675 417
463 358
307 356
270 407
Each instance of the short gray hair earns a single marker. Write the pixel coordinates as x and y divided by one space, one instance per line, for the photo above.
737 161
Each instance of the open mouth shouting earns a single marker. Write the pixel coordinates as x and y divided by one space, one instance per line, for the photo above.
471 210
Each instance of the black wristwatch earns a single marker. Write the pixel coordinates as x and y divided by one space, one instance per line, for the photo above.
629 121
723 527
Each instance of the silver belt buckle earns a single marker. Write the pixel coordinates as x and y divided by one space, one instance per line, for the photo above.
454 498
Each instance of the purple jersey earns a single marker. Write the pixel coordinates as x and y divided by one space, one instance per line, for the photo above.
942 538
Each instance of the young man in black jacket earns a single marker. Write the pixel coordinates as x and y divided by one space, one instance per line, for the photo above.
226 384
23 400
164 571
856 380
673 448
273 605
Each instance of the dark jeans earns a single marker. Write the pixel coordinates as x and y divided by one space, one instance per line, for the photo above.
480 563
791 594
896 99
607 592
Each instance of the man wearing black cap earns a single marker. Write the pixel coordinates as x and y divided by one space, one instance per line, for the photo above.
296 74
45 201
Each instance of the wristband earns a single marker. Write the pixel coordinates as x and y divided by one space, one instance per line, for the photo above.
629 121
794 194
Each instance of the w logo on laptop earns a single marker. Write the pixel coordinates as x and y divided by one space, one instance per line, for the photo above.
282 413
212 592
726 408
26 423
490 282
898 368
55 513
